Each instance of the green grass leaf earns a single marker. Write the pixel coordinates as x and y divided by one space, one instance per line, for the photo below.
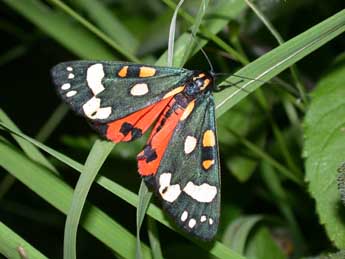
324 150
52 189
219 16
13 246
94 161
144 201
280 58
237 233
216 248
106 20
62 29
262 246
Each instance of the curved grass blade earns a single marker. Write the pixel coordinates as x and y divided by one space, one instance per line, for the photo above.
280 58
57 193
59 28
154 239
13 246
94 161
172 31
195 29
106 20
144 202
216 249
219 16
95 30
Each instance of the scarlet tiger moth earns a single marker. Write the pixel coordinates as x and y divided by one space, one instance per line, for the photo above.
180 160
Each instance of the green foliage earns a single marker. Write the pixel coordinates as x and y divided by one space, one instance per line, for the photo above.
260 135
325 151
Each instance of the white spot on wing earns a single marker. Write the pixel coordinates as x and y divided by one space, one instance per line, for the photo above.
139 89
69 69
184 216
203 218
71 93
94 76
210 221
201 193
189 144
168 192
191 223
66 86
92 109
70 76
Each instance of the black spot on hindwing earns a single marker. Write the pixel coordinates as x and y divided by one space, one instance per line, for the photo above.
149 154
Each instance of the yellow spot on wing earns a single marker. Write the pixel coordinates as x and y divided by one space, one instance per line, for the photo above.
173 92
147 72
188 110
209 139
206 164
123 71
206 83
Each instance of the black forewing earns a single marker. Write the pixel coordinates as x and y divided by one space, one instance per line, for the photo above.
94 90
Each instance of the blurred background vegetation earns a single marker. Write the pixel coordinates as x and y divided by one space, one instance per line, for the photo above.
265 214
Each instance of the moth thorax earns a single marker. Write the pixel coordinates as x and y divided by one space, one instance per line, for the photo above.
193 88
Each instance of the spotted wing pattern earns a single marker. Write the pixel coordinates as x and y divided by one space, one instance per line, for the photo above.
187 180
105 91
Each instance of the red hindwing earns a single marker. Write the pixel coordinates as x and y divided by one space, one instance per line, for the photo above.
150 158
135 124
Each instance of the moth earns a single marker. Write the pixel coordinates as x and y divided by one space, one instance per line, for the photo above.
180 160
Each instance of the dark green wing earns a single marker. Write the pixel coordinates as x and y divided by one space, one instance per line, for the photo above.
104 91
188 180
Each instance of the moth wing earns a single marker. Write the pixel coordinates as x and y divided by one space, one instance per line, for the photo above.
105 91
188 180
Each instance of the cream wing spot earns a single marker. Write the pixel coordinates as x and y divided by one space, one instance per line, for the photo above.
188 110
184 216
139 89
94 76
69 69
71 93
168 192
66 86
192 223
210 221
201 193
70 76
203 218
189 144
92 109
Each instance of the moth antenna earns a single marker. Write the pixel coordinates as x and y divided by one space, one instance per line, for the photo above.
208 60
205 55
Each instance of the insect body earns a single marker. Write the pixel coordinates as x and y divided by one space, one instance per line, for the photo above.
180 159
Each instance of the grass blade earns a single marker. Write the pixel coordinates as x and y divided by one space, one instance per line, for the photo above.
58 26
52 189
13 246
94 161
280 58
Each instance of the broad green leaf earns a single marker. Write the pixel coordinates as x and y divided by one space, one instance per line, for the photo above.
262 246
324 149
237 233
